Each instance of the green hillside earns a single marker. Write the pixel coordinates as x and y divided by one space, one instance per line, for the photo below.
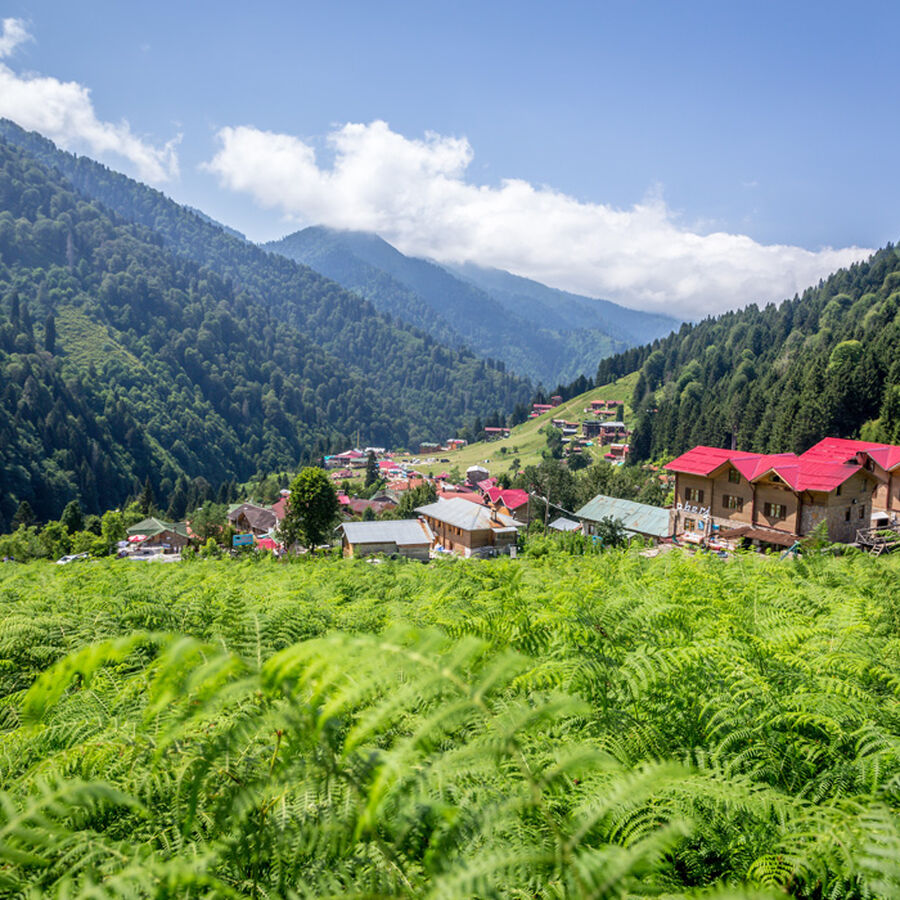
432 386
824 364
123 360
525 441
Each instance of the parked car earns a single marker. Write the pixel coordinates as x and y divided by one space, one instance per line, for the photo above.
64 560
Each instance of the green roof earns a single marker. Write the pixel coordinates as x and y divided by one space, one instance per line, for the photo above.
639 518
152 526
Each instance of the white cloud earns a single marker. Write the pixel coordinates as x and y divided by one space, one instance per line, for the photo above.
14 33
414 193
63 111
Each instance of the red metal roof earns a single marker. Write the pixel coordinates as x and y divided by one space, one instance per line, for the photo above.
752 465
513 498
702 460
802 473
843 449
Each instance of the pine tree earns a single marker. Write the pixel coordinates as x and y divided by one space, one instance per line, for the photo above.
371 469
146 501
24 516
72 517
50 334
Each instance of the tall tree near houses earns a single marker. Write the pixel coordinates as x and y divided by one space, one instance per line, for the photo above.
311 509
371 469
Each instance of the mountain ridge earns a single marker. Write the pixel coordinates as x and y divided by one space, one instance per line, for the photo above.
457 309
123 361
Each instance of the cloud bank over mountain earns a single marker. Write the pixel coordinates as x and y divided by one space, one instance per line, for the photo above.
63 112
415 194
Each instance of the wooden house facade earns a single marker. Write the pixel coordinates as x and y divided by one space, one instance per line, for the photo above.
769 498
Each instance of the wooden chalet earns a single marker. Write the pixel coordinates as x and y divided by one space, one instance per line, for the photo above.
882 460
470 529
411 538
512 502
153 533
768 498
248 518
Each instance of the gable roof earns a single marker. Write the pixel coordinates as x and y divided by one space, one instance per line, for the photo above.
153 526
564 524
468 496
755 465
279 507
702 460
511 498
809 472
468 516
359 505
636 517
402 532
259 517
843 449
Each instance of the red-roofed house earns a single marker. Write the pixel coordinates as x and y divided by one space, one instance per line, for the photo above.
510 501
883 460
769 497
279 507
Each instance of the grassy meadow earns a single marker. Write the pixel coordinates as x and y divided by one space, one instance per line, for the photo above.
554 726
527 439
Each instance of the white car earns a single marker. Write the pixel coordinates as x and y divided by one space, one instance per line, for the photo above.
64 560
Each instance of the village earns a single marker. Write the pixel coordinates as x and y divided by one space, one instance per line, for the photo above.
721 500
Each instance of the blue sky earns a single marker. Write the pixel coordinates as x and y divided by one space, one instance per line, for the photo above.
690 156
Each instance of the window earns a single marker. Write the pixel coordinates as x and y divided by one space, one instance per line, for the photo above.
774 510
847 515
729 501
734 476
689 524
862 512
837 493
693 495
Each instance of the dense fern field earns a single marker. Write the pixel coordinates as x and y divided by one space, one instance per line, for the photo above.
563 726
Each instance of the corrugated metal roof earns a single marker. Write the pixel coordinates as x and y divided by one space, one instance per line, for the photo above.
564 524
463 514
401 532
636 517
152 526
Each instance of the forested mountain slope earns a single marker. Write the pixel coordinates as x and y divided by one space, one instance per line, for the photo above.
539 304
435 385
826 363
544 334
120 360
